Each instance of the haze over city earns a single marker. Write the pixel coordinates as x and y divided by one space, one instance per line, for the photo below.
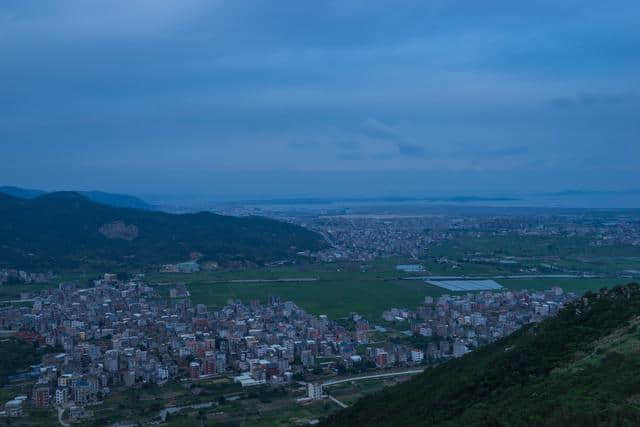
331 98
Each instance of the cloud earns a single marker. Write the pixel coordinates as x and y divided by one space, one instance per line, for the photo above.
588 100
350 155
359 86
410 150
301 144
518 150
378 130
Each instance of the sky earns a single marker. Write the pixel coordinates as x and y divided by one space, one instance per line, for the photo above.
239 99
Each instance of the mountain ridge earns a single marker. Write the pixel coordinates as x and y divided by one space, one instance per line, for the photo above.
110 199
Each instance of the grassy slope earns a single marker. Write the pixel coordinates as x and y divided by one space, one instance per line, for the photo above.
578 369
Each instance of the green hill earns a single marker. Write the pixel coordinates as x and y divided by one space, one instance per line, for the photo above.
581 368
65 230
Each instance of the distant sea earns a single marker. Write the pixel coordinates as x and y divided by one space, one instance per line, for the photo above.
594 200
567 200
563 200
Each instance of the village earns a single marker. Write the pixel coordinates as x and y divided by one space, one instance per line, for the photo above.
122 334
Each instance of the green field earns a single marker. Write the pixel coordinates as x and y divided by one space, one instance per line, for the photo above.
372 287
12 292
349 393
335 297
546 254
338 293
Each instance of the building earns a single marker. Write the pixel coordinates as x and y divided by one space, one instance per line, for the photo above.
209 363
417 355
459 349
13 408
194 370
110 278
306 357
61 395
129 378
81 393
381 358
64 380
162 375
41 396
410 268
314 391
111 360
188 267
221 363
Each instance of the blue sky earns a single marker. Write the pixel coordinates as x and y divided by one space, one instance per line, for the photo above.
249 98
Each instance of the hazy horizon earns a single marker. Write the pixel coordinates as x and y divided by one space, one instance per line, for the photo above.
587 199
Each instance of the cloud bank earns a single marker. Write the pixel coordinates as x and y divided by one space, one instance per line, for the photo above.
243 97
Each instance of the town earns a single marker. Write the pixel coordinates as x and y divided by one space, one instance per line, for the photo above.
364 233
121 334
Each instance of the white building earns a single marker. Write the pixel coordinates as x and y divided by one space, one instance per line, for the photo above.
162 374
426 331
417 355
61 395
459 349
13 408
64 380
314 391
111 360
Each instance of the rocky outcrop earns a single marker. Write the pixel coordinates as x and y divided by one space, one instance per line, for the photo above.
119 230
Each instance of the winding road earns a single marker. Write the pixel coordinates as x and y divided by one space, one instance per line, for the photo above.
367 377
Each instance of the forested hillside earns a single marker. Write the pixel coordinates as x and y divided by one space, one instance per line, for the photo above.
581 368
66 230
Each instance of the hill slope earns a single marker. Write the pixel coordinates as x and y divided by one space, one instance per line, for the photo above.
66 230
117 200
111 199
22 193
581 368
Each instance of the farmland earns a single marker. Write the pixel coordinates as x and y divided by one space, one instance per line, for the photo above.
339 292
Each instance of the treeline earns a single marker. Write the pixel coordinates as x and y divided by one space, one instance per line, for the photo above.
17 355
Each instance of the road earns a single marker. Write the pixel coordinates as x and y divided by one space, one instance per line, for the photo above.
287 279
512 276
367 377
60 412
174 409
340 404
